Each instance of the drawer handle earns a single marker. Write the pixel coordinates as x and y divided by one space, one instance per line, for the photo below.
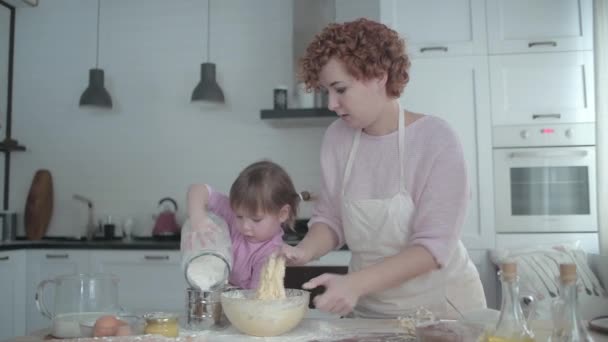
156 257
546 116
57 256
434 48
5 258
549 43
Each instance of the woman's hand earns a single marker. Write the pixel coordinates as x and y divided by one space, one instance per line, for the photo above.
340 296
295 256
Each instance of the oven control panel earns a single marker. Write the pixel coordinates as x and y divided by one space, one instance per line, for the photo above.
579 134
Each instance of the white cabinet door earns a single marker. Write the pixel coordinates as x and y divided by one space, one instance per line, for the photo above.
348 10
12 294
459 28
440 27
149 280
45 264
456 90
523 26
542 88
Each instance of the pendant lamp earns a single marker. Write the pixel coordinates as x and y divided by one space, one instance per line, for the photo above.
96 94
207 88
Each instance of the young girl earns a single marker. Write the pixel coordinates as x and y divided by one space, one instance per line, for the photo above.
262 202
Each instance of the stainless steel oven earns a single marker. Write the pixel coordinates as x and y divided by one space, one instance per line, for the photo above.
545 178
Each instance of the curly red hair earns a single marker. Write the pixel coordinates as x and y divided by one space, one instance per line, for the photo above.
367 49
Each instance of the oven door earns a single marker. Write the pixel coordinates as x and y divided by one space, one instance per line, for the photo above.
548 189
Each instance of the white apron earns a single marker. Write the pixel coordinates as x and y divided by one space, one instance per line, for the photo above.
379 228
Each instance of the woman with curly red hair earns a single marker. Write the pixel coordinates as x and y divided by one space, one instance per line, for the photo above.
394 185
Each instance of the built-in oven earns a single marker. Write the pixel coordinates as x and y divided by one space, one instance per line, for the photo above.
545 178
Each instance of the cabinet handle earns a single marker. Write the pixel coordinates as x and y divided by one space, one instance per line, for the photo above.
5 258
57 256
156 257
547 154
550 43
434 48
546 116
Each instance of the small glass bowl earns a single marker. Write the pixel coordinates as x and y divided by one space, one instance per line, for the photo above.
135 323
162 323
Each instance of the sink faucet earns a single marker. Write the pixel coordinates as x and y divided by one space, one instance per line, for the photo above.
90 221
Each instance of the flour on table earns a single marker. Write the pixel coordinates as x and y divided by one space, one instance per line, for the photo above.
409 322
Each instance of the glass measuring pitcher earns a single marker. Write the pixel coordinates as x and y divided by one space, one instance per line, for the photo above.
206 254
78 298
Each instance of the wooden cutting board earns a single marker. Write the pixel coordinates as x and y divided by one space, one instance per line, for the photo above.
39 205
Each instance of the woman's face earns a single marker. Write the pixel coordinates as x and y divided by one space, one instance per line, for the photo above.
358 102
261 226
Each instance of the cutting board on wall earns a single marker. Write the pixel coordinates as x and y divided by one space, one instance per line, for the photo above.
39 205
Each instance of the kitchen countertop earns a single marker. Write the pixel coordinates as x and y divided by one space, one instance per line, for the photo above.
65 243
141 243
317 330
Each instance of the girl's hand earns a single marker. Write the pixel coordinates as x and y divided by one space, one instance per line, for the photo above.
199 221
203 233
295 256
340 296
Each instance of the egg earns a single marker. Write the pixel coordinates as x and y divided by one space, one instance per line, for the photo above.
106 326
124 330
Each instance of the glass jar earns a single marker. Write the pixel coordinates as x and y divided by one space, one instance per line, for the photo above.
206 254
567 323
161 323
511 326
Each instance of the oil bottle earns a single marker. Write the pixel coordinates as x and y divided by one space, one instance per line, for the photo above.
567 324
511 325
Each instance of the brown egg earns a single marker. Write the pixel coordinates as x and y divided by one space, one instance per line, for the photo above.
106 326
123 329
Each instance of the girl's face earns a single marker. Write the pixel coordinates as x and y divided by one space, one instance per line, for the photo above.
359 103
261 226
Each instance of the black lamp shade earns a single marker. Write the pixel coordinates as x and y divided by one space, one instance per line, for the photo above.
208 89
96 94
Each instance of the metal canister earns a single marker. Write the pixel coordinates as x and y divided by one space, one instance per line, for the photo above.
204 310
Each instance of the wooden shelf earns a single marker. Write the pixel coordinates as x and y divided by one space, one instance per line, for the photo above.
296 113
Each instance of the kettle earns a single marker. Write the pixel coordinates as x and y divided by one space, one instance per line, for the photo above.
166 220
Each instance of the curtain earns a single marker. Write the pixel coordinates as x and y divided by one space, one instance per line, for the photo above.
600 10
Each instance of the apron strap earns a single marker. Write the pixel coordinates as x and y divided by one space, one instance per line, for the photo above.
353 151
401 132
351 158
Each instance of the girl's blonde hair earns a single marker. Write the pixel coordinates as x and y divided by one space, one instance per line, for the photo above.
265 187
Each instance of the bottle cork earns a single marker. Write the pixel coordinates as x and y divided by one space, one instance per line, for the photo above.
567 273
508 271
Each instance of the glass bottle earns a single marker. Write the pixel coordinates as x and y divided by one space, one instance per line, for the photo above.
567 324
511 325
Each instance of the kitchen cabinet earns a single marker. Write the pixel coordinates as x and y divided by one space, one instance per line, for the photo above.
43 264
149 280
459 28
523 26
456 89
542 88
12 296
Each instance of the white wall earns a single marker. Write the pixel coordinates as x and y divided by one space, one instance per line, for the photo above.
154 142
